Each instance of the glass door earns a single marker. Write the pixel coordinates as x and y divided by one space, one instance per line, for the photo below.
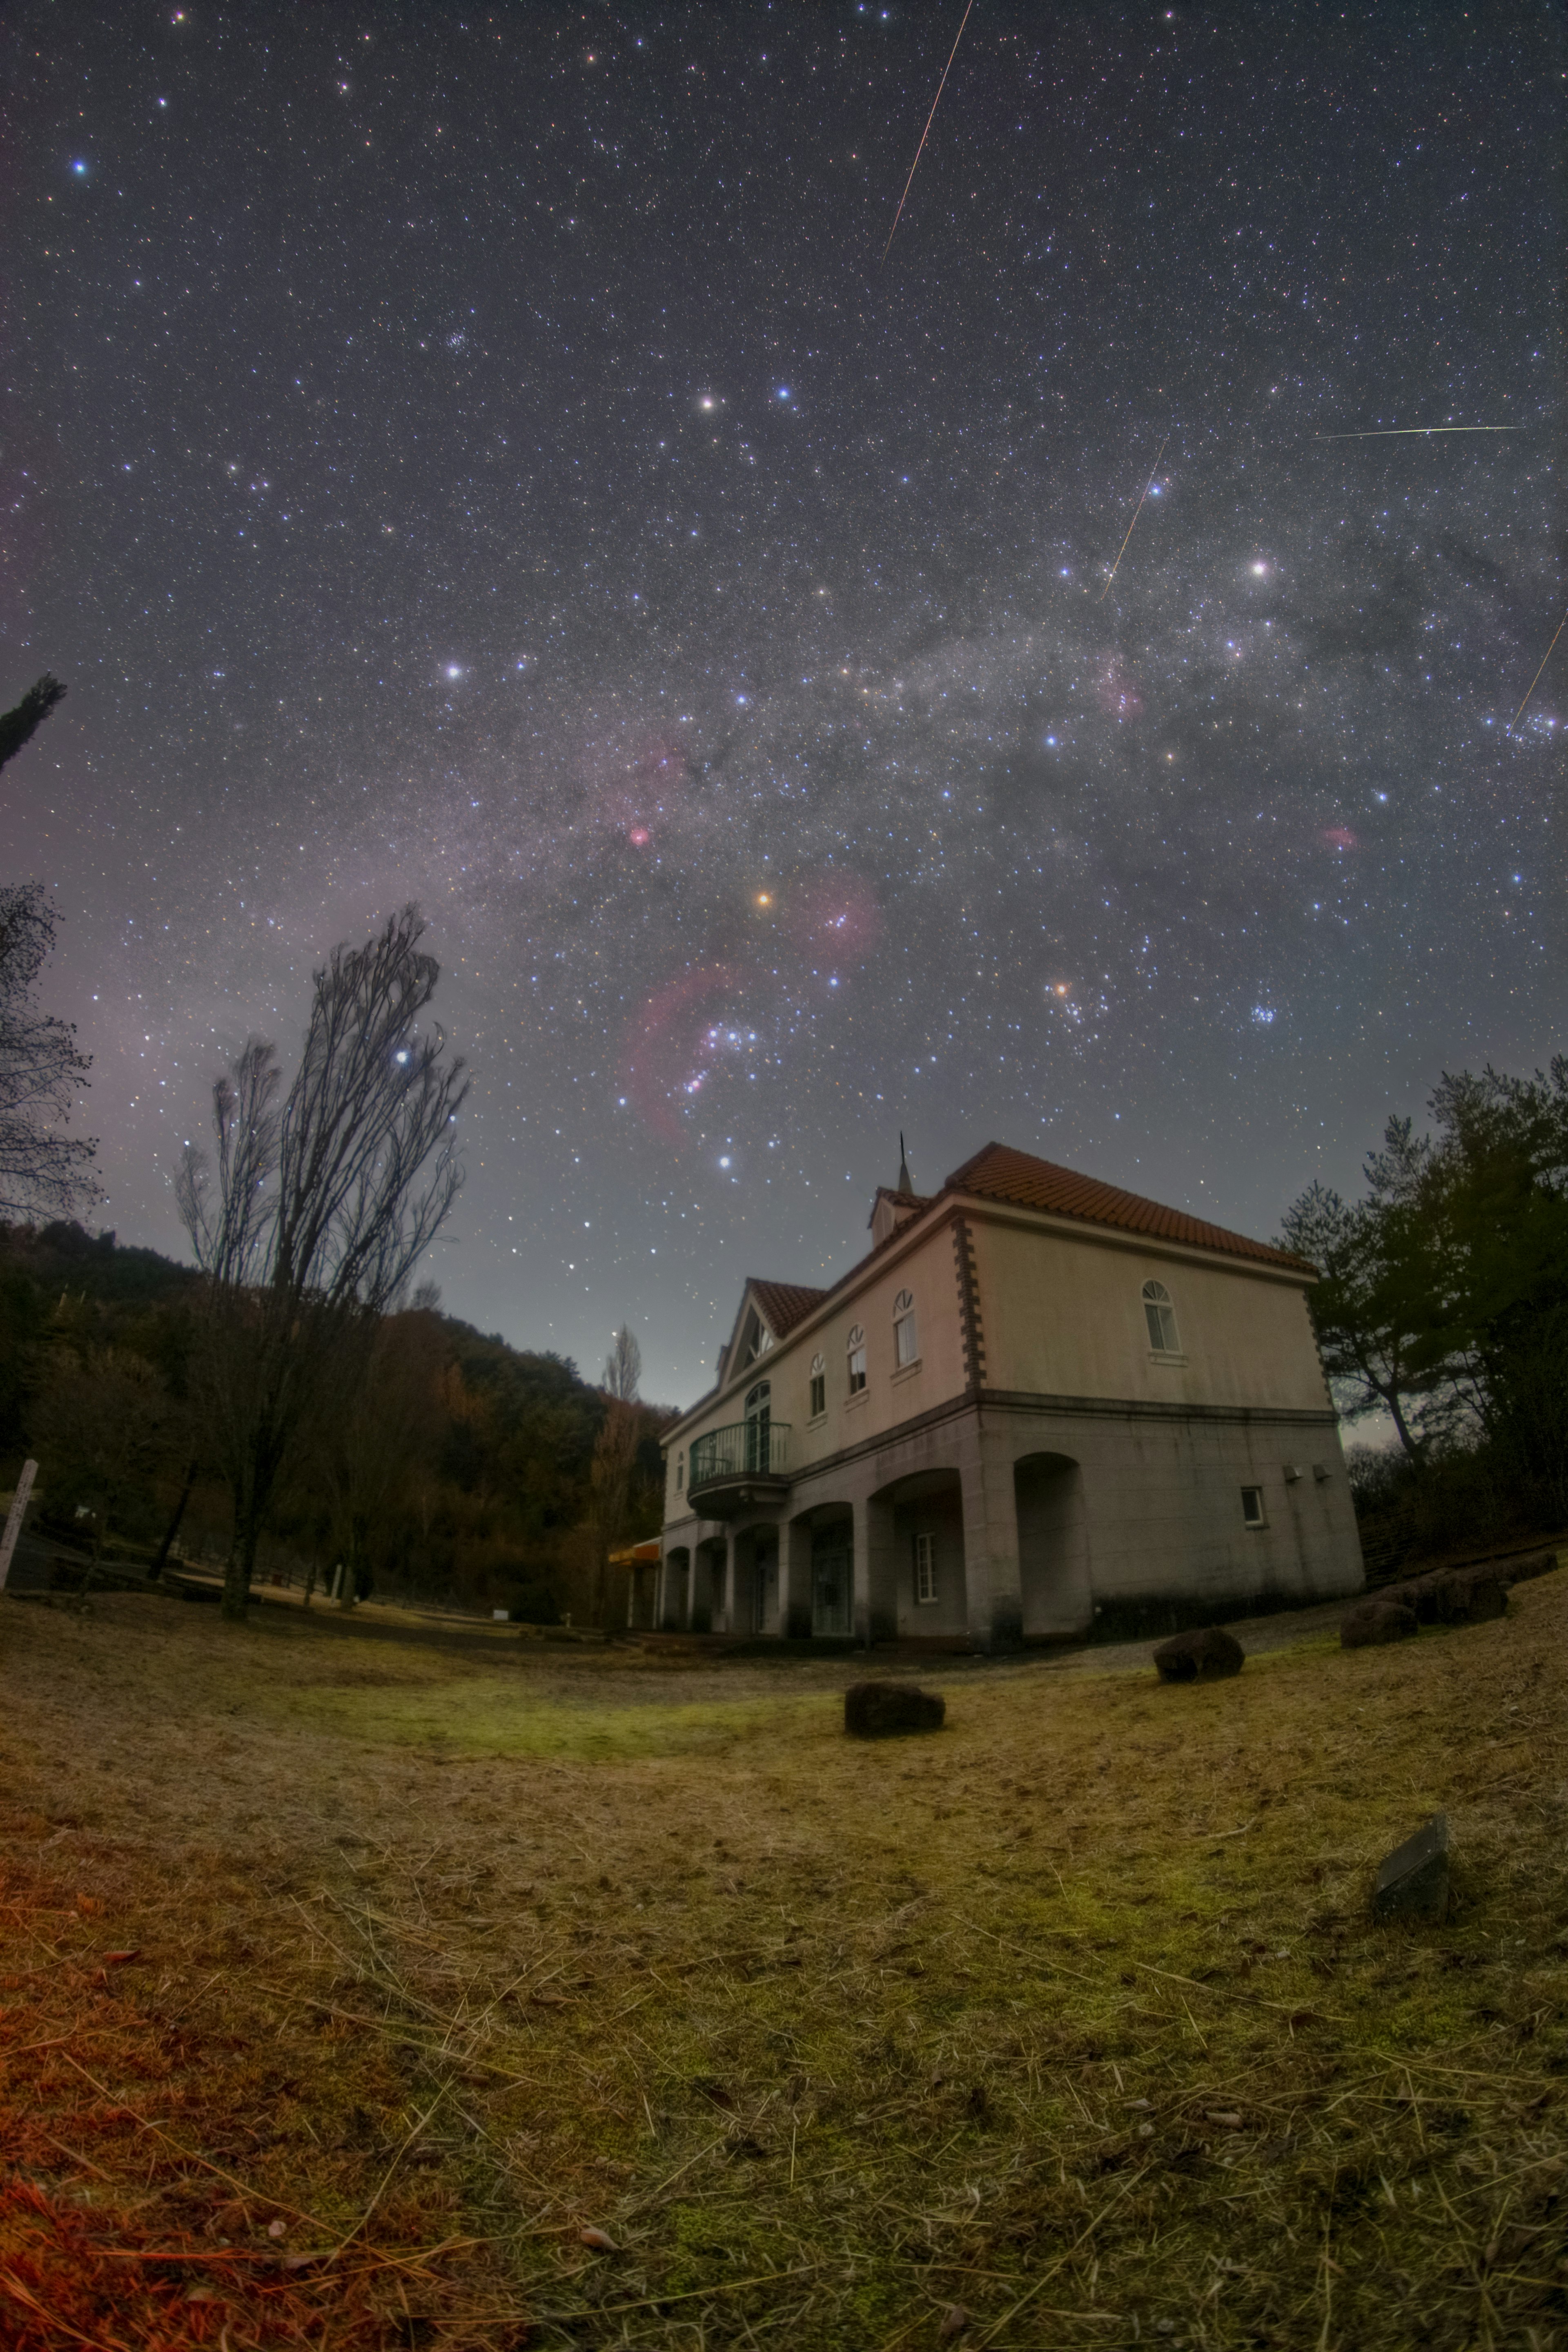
758 1417
832 1577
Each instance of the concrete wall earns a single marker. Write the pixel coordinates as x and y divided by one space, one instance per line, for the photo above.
1044 1517
1063 1316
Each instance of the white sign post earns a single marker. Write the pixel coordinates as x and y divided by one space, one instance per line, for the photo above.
14 1519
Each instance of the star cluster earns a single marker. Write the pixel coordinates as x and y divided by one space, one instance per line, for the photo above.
483 457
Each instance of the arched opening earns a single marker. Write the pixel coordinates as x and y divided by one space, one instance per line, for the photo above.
672 1588
931 1591
1053 1547
709 1596
833 1578
755 1595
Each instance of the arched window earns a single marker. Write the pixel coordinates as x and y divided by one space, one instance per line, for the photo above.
818 1385
1160 1318
906 1335
855 1346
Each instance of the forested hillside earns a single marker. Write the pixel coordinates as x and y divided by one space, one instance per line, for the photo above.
459 1469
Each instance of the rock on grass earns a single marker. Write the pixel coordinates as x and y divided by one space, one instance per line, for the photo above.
1201 1655
880 1710
1371 1622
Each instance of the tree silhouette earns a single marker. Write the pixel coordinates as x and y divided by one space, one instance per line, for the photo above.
20 724
42 1171
318 1212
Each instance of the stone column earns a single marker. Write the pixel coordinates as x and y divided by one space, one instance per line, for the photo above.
994 1586
875 1572
795 1580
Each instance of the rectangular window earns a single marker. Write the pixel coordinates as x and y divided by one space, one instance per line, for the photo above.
905 1337
1161 1322
925 1568
680 1473
857 1371
818 1393
1252 1506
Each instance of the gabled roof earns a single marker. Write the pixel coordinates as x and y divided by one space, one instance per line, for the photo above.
782 1305
1020 1180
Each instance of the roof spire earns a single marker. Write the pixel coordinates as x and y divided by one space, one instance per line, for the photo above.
904 1183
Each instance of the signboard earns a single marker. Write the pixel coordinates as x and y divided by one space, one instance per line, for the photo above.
14 1519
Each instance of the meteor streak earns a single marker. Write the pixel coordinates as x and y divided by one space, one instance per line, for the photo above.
1136 512
1396 432
925 134
1534 682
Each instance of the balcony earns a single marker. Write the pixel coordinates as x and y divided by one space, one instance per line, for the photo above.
730 1468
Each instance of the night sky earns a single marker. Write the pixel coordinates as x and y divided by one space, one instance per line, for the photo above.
484 457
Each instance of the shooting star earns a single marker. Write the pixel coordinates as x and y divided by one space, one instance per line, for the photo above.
1535 681
925 134
1398 432
1136 512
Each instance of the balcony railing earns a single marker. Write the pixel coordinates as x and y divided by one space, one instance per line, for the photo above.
747 1449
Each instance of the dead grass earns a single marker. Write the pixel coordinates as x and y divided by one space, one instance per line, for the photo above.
1070 2018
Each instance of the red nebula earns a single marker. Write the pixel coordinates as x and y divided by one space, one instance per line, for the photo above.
630 794
834 917
1340 836
666 1055
1117 693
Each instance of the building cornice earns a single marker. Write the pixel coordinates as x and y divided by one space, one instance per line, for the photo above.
1014 1402
972 1209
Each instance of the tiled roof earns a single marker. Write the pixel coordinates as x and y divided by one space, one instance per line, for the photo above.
1018 1178
783 1304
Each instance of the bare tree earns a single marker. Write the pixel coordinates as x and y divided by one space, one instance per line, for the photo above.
609 1491
42 1171
22 721
622 1367
318 1211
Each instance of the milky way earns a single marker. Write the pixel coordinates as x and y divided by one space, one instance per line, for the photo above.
484 458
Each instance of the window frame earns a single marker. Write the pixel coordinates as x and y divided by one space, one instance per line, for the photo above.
926 1592
680 1472
818 1388
855 1360
1160 1319
1254 1518
905 1332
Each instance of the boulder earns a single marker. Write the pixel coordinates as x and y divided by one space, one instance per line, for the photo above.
1457 1596
1200 1657
1522 1566
1371 1622
879 1710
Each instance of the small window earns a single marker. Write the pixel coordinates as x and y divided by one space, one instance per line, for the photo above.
1252 1513
906 1335
856 1347
818 1386
679 1472
1160 1318
925 1568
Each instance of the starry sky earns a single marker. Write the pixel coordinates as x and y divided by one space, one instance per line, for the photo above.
486 457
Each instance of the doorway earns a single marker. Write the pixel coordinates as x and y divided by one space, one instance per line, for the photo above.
832 1577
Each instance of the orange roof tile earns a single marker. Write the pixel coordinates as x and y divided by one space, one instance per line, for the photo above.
1000 1173
783 1304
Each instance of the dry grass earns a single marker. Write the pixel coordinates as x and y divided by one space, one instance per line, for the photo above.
1070 2018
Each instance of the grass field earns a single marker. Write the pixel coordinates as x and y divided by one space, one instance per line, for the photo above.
347 1984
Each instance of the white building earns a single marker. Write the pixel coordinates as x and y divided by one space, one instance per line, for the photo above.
1038 1399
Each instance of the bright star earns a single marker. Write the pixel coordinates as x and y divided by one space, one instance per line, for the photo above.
454 669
